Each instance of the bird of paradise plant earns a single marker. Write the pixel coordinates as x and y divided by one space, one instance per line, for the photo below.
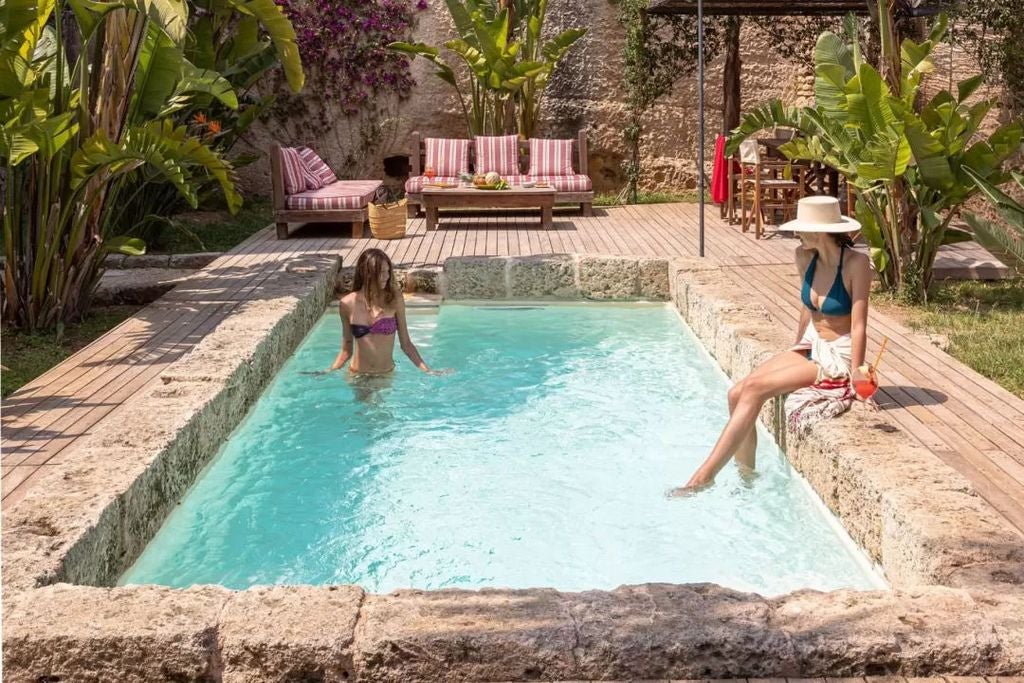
84 104
906 161
508 63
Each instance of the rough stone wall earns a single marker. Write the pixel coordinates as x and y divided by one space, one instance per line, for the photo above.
586 91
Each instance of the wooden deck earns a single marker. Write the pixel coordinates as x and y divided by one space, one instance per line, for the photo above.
42 419
968 421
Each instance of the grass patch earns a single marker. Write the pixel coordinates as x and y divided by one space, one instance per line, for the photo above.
210 230
26 356
615 199
984 323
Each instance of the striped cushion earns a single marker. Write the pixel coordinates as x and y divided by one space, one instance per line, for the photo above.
296 175
497 153
550 157
446 156
574 182
415 183
342 194
317 167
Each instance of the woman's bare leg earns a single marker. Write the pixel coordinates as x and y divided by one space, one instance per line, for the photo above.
745 452
784 373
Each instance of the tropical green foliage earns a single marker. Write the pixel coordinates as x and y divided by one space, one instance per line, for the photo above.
1010 235
992 32
89 91
229 48
507 59
907 161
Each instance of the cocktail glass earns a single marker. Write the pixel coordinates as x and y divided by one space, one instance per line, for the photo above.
866 388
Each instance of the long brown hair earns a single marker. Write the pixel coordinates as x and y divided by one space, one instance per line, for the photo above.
843 239
370 265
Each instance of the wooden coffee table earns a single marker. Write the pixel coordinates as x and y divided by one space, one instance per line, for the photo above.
435 198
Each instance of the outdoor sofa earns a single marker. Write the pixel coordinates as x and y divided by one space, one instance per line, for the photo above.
306 190
560 163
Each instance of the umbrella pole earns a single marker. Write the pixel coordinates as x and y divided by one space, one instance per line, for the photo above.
700 124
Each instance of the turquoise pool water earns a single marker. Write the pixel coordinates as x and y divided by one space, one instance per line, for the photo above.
542 461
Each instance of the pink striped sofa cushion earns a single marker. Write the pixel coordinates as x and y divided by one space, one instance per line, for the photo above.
499 153
296 176
342 194
415 183
574 182
447 156
550 157
317 167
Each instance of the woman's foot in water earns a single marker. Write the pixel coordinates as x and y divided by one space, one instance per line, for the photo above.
698 482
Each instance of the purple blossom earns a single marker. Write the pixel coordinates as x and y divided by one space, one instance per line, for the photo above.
343 44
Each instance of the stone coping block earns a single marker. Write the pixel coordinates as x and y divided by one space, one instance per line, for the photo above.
338 633
95 512
566 277
182 261
916 516
289 633
557 277
416 280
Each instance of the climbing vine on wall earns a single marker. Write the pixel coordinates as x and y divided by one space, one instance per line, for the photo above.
992 31
659 50
343 44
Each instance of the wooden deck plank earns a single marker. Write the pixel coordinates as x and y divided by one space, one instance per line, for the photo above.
95 383
106 352
945 374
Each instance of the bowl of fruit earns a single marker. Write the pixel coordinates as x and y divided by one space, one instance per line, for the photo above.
489 181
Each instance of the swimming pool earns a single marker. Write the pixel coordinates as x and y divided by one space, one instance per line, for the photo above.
543 461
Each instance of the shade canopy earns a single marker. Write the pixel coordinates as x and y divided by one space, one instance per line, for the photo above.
793 8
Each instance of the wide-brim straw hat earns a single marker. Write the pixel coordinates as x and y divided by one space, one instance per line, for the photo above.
820 214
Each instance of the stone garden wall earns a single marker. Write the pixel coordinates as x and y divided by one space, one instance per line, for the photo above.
587 91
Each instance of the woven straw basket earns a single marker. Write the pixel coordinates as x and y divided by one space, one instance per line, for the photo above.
387 221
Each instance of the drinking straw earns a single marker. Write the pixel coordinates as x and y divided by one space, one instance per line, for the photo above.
881 350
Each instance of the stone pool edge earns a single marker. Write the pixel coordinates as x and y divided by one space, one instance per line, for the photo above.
334 633
914 515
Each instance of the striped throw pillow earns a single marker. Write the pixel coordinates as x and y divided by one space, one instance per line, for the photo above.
499 153
318 168
550 157
297 177
448 157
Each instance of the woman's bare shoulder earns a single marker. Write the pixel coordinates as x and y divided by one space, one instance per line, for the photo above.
348 300
801 255
858 261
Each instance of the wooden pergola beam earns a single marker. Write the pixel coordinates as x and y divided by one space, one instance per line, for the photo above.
778 8
763 8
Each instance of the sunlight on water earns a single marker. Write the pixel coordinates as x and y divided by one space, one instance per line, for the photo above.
543 461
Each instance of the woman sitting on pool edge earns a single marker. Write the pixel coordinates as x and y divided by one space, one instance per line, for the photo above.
831 333
371 314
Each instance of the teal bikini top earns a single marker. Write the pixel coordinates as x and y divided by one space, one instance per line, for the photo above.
837 302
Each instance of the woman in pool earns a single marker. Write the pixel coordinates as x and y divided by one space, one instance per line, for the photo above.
831 334
371 314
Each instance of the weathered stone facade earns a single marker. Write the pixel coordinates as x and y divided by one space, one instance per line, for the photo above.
586 91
